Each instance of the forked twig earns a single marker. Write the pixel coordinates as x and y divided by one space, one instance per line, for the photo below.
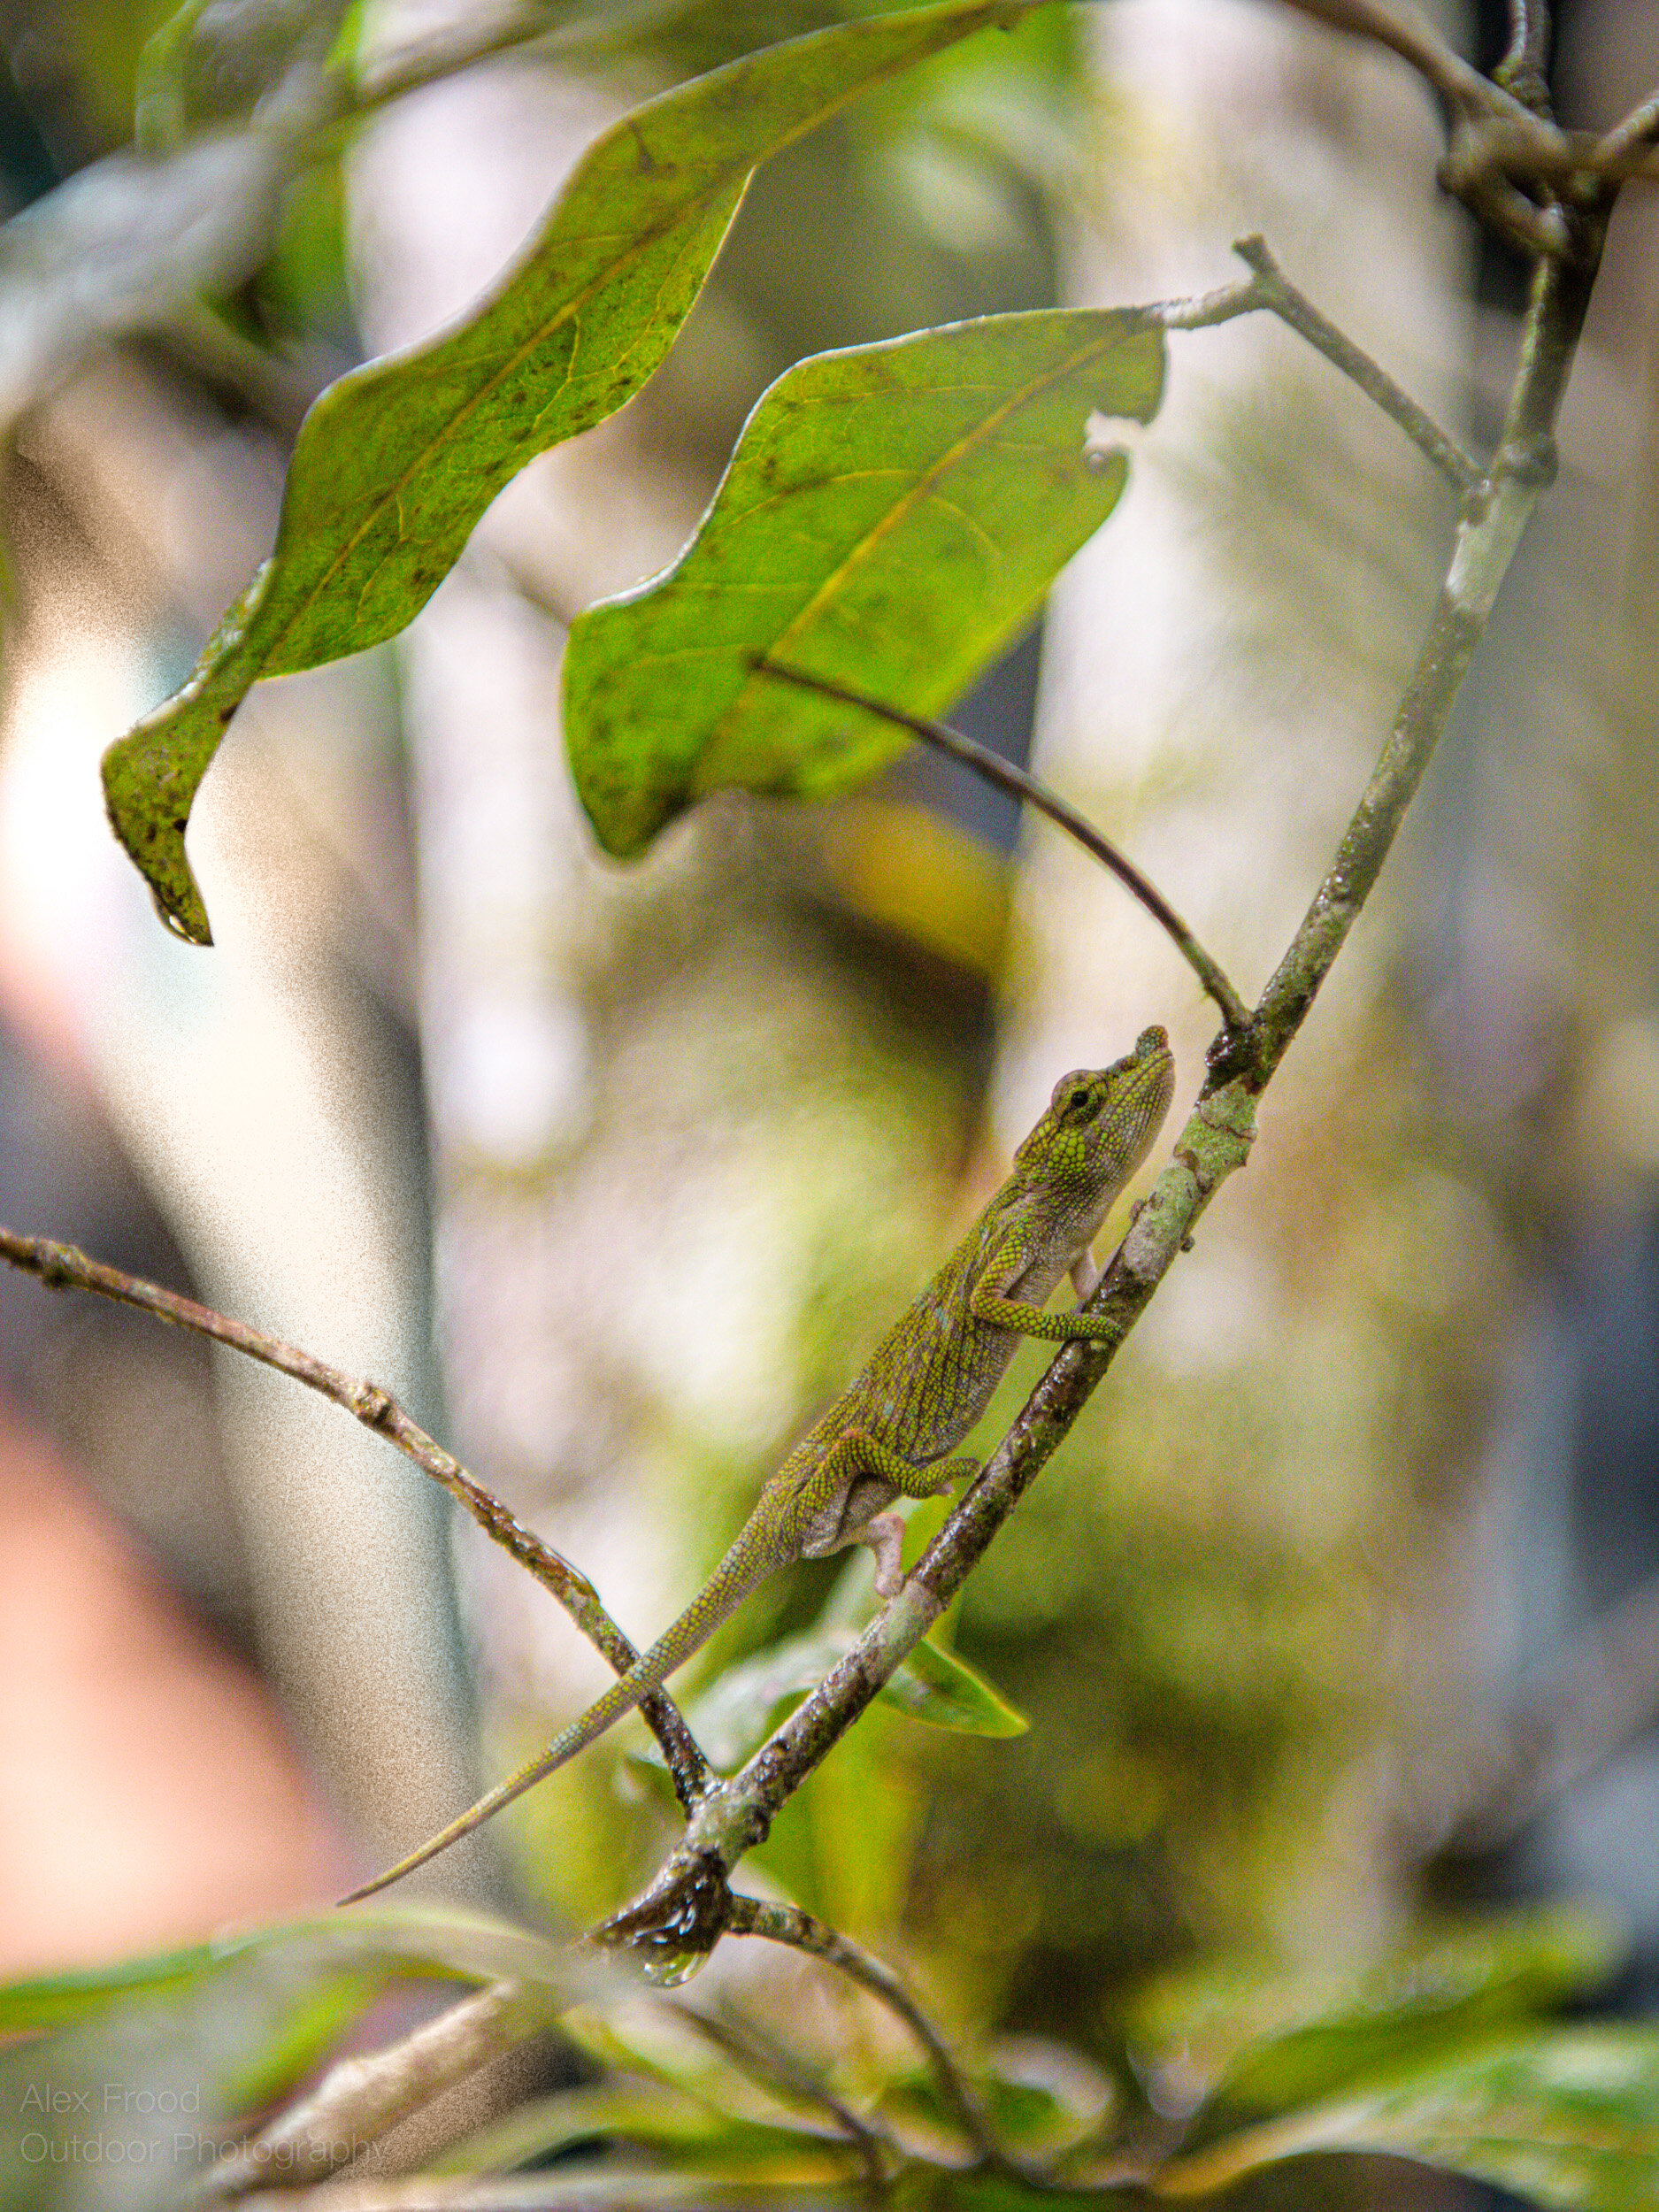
1268 288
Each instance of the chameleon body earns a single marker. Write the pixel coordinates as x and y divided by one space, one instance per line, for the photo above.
922 1389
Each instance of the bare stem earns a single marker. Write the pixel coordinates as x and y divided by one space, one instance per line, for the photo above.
1019 785
1625 148
359 2100
64 1267
1487 540
801 1932
778 2069
1523 70
1415 39
1269 287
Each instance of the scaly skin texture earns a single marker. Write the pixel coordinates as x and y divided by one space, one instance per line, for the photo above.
922 1389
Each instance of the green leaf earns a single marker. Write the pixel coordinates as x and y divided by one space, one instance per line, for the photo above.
152 2061
933 1684
941 1688
1567 2117
396 462
1260 2041
892 518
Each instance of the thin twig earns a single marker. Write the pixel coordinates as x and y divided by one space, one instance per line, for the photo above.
1525 69
1003 773
64 1267
1415 39
359 2100
411 69
1487 537
1293 307
1269 287
780 2072
801 1932
1627 147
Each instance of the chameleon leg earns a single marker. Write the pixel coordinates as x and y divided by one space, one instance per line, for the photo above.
858 1454
885 1531
859 1460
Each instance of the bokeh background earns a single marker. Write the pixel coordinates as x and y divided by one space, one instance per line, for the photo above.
1340 1605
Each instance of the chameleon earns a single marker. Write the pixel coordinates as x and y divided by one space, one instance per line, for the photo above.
922 1389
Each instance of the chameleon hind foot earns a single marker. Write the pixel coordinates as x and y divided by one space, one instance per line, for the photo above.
885 1535
885 1532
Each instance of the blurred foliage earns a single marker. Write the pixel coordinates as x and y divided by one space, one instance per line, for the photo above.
698 2096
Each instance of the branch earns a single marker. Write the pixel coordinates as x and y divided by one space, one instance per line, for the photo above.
789 1924
1269 287
63 1267
1525 69
1019 785
1415 39
1487 540
1625 148
780 2072
690 1902
359 2100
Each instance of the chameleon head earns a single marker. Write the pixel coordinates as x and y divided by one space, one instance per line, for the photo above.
1101 1122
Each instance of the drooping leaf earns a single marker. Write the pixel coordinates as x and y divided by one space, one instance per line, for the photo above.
892 518
1260 2041
1567 2117
396 462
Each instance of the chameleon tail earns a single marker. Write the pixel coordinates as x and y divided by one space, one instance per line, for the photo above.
745 1566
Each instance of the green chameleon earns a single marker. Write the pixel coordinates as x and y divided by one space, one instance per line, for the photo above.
922 1389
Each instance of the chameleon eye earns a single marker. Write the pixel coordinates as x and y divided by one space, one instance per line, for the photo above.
1074 1096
